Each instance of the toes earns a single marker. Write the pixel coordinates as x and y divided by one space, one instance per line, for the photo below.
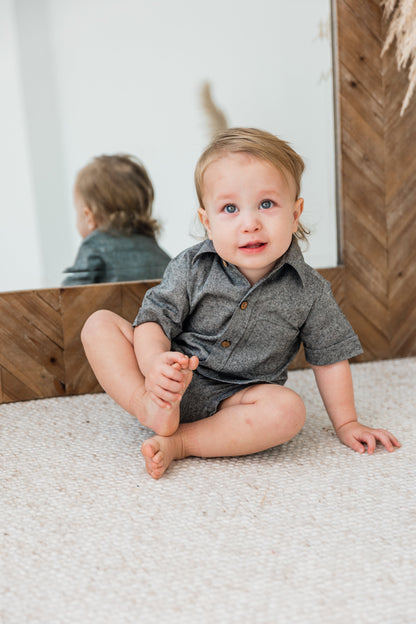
150 448
157 459
193 362
156 473
155 466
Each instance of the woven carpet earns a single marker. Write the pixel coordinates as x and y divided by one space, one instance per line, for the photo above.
309 532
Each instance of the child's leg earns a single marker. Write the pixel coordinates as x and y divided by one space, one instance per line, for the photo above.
108 344
252 420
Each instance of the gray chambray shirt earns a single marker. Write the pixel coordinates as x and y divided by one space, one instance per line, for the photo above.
243 333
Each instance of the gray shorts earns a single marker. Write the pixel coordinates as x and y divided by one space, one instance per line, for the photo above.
203 397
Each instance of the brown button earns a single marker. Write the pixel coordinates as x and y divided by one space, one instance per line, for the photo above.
225 343
243 305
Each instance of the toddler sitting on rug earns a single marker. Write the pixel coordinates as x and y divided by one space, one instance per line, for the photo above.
205 363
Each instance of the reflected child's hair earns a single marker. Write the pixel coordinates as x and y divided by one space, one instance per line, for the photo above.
260 144
118 191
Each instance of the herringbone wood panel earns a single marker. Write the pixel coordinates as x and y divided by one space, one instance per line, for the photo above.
40 350
41 354
378 194
31 346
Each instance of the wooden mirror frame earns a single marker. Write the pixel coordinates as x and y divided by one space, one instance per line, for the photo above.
375 284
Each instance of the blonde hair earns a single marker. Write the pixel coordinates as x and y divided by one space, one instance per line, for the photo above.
118 191
260 144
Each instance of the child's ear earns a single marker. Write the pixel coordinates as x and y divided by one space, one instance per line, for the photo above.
203 217
89 219
297 213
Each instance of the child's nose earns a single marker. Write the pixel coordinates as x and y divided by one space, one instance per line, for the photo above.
250 221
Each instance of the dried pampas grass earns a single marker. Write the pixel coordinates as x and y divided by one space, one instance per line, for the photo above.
217 121
402 16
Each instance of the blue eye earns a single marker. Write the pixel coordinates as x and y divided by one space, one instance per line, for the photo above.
230 209
267 203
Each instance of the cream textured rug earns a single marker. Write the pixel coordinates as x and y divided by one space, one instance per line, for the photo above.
310 532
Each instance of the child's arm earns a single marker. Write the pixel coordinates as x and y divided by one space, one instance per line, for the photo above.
335 386
161 367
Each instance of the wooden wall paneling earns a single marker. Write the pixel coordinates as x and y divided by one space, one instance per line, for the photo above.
379 184
359 45
378 170
361 97
31 353
132 296
400 171
41 354
368 13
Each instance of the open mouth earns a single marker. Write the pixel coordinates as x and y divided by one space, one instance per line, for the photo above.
253 246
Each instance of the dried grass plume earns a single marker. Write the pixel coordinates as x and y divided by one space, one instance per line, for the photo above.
217 121
402 27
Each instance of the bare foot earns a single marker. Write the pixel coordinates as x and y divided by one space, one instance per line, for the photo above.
158 453
163 420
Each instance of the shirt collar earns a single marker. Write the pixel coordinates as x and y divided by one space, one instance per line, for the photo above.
205 247
293 257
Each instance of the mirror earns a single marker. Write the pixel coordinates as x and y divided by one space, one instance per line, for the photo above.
40 349
122 76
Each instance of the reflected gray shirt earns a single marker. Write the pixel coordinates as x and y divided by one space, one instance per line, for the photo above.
112 257
243 333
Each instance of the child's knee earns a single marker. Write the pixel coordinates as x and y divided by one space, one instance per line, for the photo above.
94 324
299 412
291 409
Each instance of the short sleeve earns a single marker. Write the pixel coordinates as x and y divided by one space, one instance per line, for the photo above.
168 303
327 335
89 268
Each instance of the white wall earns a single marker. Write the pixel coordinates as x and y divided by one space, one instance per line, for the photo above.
20 260
121 76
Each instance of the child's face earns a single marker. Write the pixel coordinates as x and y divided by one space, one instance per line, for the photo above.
250 212
84 217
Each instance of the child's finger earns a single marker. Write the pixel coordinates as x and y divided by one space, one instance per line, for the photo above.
371 443
356 445
388 440
159 401
379 435
394 440
385 441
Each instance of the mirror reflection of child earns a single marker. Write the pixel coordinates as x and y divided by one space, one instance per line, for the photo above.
205 364
113 197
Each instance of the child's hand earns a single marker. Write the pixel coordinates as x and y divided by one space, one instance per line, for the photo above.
355 435
165 381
